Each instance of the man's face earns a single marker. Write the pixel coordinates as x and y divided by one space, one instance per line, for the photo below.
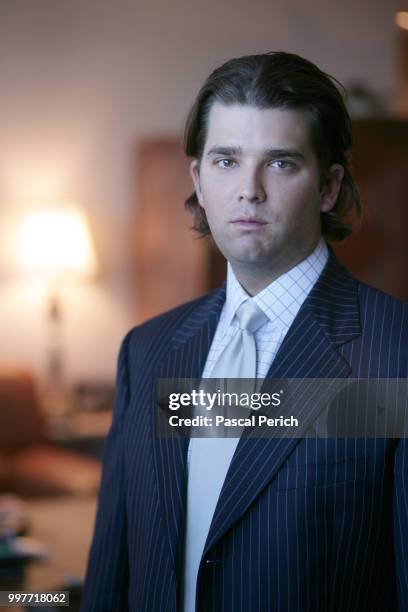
259 184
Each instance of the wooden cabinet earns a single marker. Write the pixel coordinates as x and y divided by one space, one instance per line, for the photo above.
378 253
169 261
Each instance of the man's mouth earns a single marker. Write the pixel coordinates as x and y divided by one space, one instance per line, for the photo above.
249 222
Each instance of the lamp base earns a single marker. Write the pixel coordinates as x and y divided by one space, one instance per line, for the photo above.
58 409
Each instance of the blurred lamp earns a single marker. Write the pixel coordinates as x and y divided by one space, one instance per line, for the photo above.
56 243
55 246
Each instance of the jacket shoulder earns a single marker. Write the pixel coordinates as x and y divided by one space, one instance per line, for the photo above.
372 298
384 321
154 334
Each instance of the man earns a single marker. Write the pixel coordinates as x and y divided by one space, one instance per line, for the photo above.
259 524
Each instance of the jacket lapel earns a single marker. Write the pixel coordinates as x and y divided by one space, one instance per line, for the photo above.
328 318
185 358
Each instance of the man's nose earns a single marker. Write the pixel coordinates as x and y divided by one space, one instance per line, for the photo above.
251 188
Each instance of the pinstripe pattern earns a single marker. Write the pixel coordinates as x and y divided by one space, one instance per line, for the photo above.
301 525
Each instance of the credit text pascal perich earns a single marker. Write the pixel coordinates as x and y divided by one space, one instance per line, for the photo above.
221 421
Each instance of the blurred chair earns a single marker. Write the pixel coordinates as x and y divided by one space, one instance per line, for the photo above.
30 465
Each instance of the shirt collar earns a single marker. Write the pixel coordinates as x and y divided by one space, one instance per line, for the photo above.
282 299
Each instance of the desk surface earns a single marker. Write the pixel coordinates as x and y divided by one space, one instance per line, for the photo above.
65 526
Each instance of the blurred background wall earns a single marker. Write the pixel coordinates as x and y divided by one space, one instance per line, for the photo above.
82 82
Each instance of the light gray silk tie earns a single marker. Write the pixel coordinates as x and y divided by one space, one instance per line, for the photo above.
238 359
211 457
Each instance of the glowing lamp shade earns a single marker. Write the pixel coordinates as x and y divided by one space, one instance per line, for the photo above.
57 242
401 19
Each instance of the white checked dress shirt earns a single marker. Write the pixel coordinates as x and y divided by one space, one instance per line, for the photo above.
280 301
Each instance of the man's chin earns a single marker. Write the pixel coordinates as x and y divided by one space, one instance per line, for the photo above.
249 258
254 253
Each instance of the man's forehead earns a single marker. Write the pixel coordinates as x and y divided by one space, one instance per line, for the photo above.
246 127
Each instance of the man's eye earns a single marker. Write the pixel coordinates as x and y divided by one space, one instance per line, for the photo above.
282 164
225 163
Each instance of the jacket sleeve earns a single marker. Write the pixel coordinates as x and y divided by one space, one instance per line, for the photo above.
106 581
401 521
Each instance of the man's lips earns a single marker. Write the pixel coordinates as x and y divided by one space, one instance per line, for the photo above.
250 222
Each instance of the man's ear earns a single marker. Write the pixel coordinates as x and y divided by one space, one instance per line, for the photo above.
195 175
331 187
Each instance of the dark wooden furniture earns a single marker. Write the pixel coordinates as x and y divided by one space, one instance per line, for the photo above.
170 263
378 253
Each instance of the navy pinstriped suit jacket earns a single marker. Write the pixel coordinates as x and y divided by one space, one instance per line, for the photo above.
302 525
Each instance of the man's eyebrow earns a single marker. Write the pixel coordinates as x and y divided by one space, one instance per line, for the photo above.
224 151
293 153
267 153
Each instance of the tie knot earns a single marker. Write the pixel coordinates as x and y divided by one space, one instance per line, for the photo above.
250 316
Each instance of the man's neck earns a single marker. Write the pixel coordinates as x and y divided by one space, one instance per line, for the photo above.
254 277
